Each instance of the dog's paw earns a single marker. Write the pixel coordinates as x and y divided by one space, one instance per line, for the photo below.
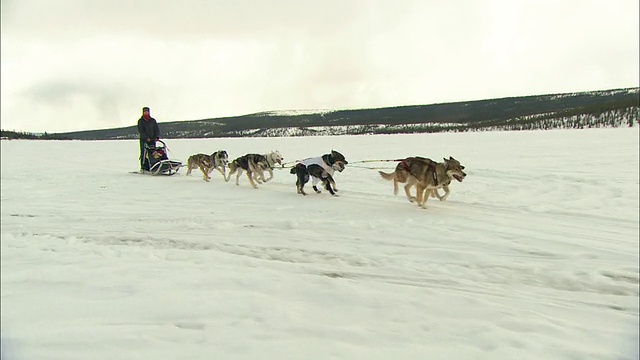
412 199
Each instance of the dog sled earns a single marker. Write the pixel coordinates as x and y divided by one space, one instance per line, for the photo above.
157 162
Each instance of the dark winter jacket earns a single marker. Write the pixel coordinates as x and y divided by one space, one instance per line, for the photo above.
148 129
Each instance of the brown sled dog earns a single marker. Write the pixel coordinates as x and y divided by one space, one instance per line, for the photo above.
207 163
427 176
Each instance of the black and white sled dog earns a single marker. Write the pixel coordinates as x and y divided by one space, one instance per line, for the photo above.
273 158
253 164
207 163
320 168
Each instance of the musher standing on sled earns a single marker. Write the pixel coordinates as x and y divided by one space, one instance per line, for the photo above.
149 132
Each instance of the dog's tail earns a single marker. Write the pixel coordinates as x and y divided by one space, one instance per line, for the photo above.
387 176
296 167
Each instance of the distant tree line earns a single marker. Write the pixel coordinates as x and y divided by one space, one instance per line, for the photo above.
591 109
15 135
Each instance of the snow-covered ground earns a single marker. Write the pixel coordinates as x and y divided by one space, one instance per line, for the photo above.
534 255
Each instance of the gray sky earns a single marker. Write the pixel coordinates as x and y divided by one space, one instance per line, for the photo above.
80 65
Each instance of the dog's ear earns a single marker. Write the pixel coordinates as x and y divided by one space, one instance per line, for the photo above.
451 157
445 159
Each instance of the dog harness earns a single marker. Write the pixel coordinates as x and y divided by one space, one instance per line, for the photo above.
318 161
430 167
404 163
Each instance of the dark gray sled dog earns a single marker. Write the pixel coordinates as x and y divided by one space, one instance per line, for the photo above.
253 164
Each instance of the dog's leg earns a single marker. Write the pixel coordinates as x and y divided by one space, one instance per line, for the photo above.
300 186
261 175
407 192
270 175
434 193
232 169
446 193
407 189
301 172
256 173
395 187
327 185
422 194
221 170
250 176
419 192
188 167
332 182
314 184
425 197
205 177
238 175
303 177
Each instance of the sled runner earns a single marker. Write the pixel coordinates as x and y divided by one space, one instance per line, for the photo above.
156 161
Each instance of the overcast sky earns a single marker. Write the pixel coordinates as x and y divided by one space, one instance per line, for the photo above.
81 65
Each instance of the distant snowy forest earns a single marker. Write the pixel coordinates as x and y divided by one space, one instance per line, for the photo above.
594 109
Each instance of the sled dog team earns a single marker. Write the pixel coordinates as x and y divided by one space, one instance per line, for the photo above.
425 174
